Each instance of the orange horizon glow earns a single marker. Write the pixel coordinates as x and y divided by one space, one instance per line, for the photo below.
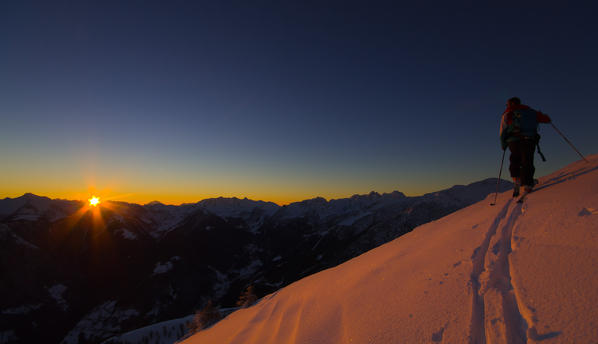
176 187
103 199
116 192
169 194
145 198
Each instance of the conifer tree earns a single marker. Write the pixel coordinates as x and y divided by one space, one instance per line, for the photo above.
248 298
204 318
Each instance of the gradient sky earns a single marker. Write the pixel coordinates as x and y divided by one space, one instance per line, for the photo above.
282 101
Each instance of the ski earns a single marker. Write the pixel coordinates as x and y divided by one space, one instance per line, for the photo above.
523 195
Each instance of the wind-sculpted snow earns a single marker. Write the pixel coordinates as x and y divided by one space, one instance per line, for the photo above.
512 273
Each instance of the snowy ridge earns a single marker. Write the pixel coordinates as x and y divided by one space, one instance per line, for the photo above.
235 207
166 217
512 273
353 206
349 210
30 207
161 218
254 213
165 332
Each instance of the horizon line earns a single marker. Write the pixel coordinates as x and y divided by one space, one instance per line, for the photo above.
280 204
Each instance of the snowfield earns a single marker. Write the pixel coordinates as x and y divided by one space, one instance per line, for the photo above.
510 273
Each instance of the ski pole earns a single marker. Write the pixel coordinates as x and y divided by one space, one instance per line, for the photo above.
540 152
569 142
499 175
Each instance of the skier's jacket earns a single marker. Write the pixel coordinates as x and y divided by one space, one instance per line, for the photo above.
520 122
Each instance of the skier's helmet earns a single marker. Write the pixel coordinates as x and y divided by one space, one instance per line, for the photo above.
514 101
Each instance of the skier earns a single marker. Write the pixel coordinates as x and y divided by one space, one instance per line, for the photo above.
519 132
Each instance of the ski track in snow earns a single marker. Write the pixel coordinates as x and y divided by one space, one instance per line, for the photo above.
502 314
496 315
476 328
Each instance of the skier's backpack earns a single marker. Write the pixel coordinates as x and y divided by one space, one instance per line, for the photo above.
525 126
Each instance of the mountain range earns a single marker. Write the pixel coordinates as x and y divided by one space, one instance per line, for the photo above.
74 275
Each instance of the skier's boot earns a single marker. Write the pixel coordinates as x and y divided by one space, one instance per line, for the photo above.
527 188
516 191
517 183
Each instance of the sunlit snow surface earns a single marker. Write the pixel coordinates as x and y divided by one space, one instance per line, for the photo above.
511 273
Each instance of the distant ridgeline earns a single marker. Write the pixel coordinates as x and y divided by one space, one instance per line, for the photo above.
76 277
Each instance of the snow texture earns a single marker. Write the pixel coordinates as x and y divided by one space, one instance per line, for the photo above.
166 332
6 232
351 220
162 268
127 234
222 284
24 309
166 217
101 322
57 292
250 269
510 273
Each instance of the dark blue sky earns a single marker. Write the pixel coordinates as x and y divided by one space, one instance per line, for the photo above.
181 100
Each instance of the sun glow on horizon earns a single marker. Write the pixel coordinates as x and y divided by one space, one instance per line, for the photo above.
94 201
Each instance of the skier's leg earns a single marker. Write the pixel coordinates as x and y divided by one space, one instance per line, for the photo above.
515 166
515 159
527 163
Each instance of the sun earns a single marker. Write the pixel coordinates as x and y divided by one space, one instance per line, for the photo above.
94 201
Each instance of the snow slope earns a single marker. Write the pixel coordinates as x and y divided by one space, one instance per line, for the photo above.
511 273
165 332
